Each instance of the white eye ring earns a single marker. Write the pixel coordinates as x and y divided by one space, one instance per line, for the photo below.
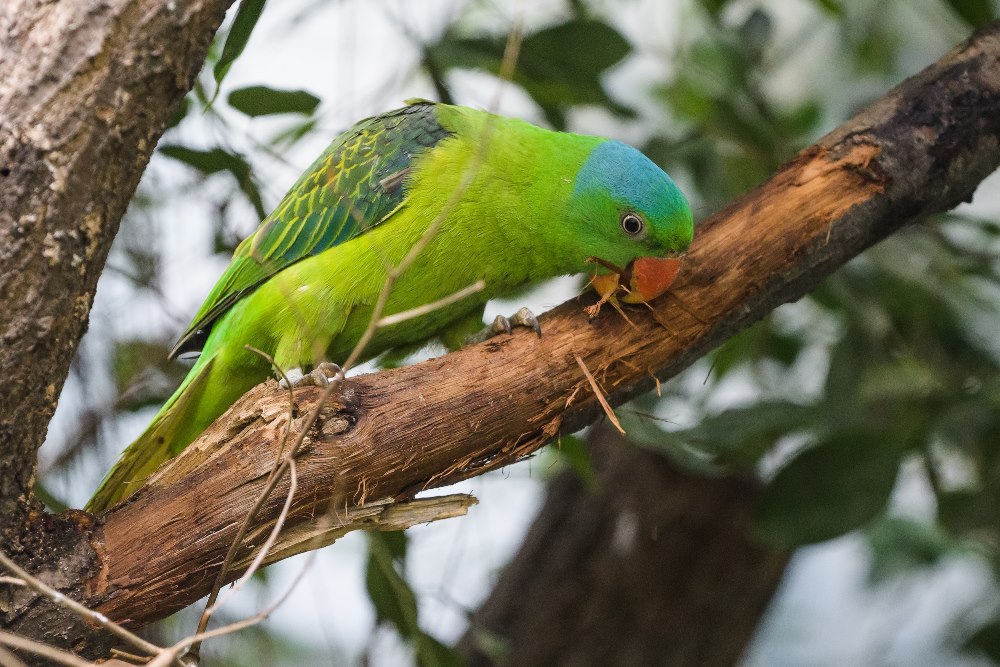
632 224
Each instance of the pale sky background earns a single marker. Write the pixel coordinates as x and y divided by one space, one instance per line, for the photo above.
356 56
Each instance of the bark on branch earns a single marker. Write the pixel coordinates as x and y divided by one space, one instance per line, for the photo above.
922 148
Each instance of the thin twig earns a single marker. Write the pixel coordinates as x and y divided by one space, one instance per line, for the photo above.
272 482
647 415
419 311
617 306
83 612
291 396
293 485
129 657
174 651
46 651
511 51
393 274
599 394
610 266
930 469
376 320
683 306
8 659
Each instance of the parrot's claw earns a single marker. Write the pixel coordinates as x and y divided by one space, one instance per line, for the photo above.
504 325
325 373
526 318
291 378
500 325
321 376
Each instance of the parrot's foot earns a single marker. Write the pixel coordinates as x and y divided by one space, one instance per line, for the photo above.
322 375
595 310
501 324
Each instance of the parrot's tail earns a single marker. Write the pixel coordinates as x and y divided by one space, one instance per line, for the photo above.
169 432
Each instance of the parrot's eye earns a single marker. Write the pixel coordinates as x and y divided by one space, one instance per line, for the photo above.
632 224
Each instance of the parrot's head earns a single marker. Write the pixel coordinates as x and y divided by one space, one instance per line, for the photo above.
630 220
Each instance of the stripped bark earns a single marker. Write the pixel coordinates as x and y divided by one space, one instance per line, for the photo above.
922 148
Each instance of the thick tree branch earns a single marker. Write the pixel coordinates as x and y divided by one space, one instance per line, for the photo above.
921 149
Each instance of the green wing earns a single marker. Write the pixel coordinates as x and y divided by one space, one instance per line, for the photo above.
354 185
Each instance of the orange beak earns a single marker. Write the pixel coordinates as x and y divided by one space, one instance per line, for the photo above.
643 280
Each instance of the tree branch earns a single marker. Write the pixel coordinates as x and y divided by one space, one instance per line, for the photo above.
922 148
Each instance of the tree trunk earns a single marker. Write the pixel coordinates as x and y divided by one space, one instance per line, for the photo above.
86 91
654 566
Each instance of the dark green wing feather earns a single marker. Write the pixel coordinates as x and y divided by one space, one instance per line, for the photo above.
354 185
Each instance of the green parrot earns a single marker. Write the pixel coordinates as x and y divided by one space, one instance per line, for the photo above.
518 204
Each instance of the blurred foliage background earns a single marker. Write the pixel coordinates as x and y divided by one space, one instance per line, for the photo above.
870 408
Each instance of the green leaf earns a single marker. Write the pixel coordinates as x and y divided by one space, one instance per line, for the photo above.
804 119
756 33
291 135
181 113
714 7
688 100
829 489
876 48
209 161
898 379
432 653
215 160
739 436
831 7
900 545
466 53
577 49
131 357
396 603
142 374
392 596
965 512
986 641
849 359
559 66
573 451
975 12
239 34
262 101
759 342
395 542
51 502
